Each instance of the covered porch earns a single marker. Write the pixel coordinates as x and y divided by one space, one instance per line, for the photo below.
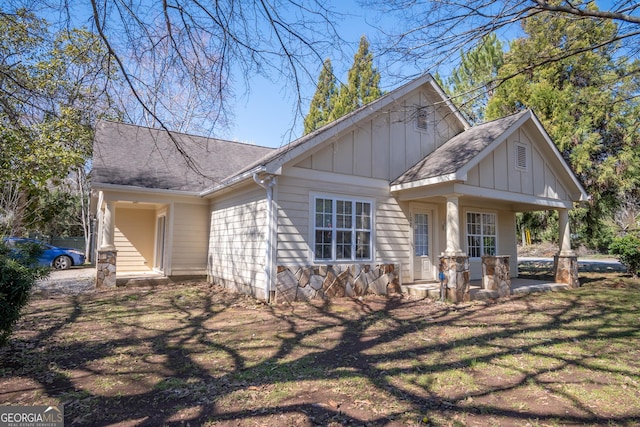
519 286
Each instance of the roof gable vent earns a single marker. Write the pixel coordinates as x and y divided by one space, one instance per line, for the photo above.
522 156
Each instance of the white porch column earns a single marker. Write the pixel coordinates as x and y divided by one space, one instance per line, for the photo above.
564 233
108 227
453 228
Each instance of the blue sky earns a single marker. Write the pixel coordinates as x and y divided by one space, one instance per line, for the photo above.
266 114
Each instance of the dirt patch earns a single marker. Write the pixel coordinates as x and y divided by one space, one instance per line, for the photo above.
194 354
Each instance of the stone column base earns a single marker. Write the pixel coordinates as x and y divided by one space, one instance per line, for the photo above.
566 270
496 275
106 269
456 271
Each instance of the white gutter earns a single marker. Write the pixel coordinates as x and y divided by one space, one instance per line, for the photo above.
267 182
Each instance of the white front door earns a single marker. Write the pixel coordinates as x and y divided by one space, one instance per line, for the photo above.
422 246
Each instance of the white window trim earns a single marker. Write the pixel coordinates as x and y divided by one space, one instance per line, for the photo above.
312 228
527 154
466 232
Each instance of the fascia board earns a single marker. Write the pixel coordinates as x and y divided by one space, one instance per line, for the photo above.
428 181
133 189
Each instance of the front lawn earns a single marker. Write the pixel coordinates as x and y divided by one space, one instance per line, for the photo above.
197 355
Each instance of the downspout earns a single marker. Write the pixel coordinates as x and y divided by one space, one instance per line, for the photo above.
267 182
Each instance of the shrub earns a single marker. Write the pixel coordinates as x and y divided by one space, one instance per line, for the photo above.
17 277
627 249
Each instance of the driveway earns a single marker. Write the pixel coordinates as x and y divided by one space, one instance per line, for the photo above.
75 280
584 264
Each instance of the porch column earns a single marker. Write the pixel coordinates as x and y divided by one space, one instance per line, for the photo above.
453 227
108 227
564 233
566 261
107 254
454 263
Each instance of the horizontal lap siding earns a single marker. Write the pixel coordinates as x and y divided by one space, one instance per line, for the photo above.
237 238
294 214
190 239
134 239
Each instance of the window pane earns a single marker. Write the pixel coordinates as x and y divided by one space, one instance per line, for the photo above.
344 215
323 244
363 245
489 245
421 234
363 216
343 244
324 211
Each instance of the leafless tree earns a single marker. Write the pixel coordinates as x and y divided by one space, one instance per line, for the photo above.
195 50
437 30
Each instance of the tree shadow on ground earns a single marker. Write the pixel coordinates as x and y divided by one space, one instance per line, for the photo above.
202 355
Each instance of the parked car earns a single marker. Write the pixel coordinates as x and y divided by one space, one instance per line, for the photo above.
51 256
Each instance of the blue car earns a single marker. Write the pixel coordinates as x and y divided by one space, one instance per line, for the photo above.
51 256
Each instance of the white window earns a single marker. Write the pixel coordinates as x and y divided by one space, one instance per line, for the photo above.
421 118
342 229
521 156
481 234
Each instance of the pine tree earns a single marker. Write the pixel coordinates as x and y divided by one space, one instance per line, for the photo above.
363 83
323 100
588 103
473 82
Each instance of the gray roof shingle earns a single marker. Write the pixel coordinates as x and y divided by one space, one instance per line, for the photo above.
126 154
454 154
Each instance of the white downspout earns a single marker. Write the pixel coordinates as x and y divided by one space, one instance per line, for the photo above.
267 182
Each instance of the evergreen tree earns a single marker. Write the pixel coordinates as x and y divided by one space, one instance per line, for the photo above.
587 102
323 100
473 82
363 83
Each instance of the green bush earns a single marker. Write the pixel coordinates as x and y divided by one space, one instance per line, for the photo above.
17 277
627 249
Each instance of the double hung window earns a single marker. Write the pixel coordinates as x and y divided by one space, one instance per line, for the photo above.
342 229
481 234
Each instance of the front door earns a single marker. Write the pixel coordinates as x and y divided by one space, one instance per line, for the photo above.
422 246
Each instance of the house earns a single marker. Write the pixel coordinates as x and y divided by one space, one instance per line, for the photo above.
394 193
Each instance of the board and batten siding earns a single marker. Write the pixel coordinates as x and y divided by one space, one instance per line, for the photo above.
237 239
387 144
190 239
295 213
498 171
133 227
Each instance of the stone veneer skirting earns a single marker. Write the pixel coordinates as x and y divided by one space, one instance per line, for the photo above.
336 280
106 269
496 274
566 270
456 277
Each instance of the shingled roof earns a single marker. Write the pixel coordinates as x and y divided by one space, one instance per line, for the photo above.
144 157
454 154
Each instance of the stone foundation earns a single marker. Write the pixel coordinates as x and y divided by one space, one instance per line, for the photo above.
566 270
496 274
456 272
337 280
106 269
